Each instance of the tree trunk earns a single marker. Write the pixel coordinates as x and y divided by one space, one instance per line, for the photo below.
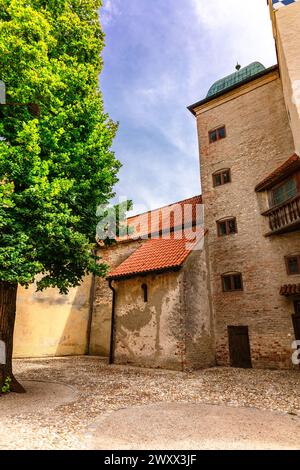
8 300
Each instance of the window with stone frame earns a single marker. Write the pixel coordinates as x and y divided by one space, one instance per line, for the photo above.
221 177
293 264
217 134
226 226
232 282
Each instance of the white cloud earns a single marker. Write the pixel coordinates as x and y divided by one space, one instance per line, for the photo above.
108 11
163 59
161 89
219 12
153 109
245 28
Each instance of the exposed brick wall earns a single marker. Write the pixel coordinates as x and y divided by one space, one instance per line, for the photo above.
258 140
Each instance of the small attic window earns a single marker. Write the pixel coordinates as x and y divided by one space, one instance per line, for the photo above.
145 292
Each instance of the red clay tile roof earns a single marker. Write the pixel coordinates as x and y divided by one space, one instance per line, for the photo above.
285 170
290 289
165 218
156 255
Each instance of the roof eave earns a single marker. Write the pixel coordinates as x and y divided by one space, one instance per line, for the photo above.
271 182
144 273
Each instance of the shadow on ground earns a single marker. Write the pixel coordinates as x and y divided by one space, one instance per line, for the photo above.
190 426
39 397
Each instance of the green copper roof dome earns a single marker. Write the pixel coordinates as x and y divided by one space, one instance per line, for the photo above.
235 78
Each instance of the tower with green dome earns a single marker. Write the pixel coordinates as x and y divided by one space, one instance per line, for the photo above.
250 178
241 75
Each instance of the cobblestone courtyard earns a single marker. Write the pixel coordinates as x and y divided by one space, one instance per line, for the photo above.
67 396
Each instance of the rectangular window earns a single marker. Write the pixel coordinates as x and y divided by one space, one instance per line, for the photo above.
222 228
227 283
217 134
293 264
284 192
221 133
226 177
213 136
237 282
232 282
218 180
145 292
221 177
227 227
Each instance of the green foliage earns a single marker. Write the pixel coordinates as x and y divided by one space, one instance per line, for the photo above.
56 167
113 222
6 387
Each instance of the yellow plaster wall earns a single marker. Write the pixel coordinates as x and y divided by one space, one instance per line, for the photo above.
50 324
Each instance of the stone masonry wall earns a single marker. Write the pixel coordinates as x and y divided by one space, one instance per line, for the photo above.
150 334
258 140
199 324
101 322
174 328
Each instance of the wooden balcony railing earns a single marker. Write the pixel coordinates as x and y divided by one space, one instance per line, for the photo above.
284 217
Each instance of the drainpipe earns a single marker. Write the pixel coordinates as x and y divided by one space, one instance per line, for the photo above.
112 332
91 314
91 311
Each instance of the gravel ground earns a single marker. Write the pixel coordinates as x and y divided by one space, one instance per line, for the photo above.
102 389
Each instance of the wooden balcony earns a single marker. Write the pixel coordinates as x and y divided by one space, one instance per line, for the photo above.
285 217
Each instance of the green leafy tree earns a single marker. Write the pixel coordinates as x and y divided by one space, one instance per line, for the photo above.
56 163
112 223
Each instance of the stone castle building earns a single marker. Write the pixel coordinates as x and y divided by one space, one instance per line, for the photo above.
158 294
230 296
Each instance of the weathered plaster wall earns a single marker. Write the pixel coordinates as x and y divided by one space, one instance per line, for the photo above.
287 31
174 328
101 322
258 140
50 324
150 334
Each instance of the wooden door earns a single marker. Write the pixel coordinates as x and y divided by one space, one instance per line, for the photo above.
239 347
296 323
296 320
297 307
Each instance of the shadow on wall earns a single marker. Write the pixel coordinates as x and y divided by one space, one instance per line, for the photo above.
50 324
101 323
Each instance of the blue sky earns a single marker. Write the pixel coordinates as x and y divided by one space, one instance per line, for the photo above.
161 56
